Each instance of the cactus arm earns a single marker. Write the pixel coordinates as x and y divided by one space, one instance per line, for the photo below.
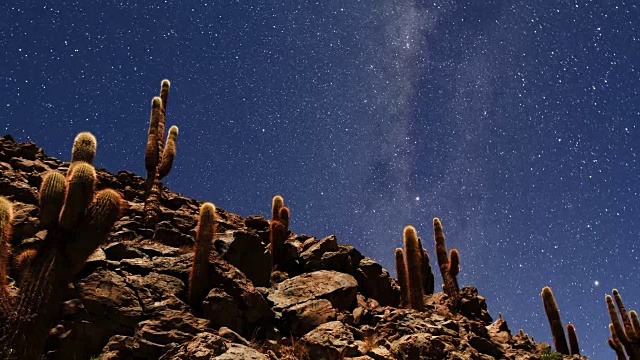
412 259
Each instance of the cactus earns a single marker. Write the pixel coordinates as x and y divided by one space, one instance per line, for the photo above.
51 198
77 222
616 345
22 262
158 156
6 219
553 315
401 271
169 153
84 148
276 204
284 217
413 262
80 189
574 348
427 273
199 283
449 280
626 333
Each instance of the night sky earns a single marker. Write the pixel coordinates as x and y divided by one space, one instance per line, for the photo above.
515 123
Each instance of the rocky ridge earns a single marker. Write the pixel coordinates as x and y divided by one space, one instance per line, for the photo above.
328 302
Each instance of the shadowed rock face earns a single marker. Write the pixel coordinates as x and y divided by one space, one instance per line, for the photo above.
329 302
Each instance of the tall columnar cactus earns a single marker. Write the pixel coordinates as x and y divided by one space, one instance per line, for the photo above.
626 333
449 280
84 148
199 284
574 348
401 271
276 204
427 273
278 231
6 218
413 261
158 156
553 315
78 221
616 345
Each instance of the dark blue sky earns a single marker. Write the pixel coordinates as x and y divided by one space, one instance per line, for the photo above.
515 122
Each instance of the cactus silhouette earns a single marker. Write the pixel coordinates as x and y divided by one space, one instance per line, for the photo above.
427 273
449 280
616 345
284 217
626 333
158 156
78 220
401 271
574 348
553 315
413 262
199 283
278 231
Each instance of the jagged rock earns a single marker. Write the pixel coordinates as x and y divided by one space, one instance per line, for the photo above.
304 317
154 287
221 309
169 326
118 348
16 187
499 332
311 257
117 251
473 306
421 346
208 346
232 336
485 346
252 306
376 283
333 340
108 299
166 234
338 288
246 251
239 351
258 223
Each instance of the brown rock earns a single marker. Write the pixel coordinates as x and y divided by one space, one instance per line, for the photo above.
376 283
338 288
203 346
304 317
246 251
330 341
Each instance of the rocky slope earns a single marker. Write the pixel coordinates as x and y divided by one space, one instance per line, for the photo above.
331 302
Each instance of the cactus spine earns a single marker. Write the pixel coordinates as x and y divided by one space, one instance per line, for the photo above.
84 148
276 204
199 276
158 156
449 280
573 340
626 333
553 315
79 195
401 271
413 261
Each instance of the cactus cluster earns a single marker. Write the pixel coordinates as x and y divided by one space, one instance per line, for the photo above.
625 336
557 330
77 219
414 271
159 156
278 231
199 276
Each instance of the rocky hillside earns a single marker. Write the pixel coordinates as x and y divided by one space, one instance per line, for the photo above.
330 302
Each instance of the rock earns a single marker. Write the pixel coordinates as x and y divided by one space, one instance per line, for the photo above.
376 283
330 341
485 346
157 249
221 309
154 287
117 251
304 317
118 348
421 346
109 300
168 326
246 251
238 351
166 234
338 288
255 222
203 346
253 307
232 336
473 306
312 256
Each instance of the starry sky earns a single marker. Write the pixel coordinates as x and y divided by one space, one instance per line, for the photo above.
515 122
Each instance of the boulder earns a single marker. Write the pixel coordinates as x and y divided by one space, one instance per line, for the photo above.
339 288
246 251
330 341
376 283
304 317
